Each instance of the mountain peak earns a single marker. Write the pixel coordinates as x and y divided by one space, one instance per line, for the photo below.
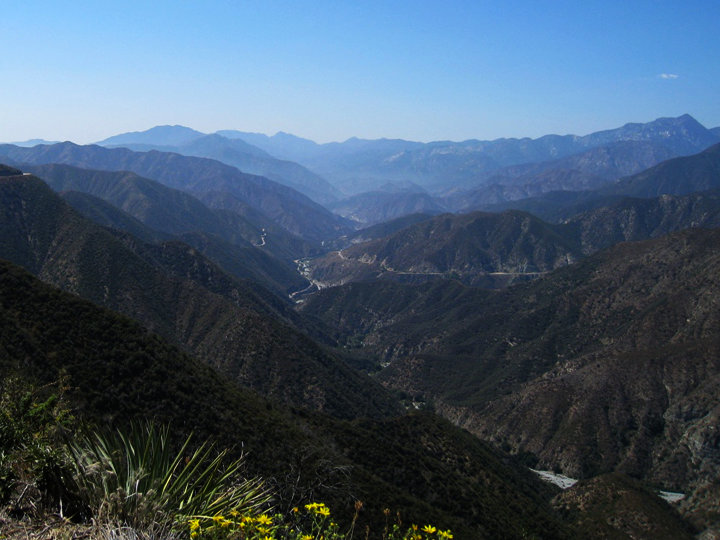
165 135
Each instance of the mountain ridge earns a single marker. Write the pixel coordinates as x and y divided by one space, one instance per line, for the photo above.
234 152
476 248
182 296
285 206
361 165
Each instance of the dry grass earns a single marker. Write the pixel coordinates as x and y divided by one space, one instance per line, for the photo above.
56 528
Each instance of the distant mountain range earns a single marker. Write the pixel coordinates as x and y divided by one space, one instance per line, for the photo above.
359 165
234 152
227 185
473 175
448 176
33 142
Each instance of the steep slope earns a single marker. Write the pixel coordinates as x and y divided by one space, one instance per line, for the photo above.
677 176
245 263
615 506
475 248
608 364
631 219
118 371
157 206
115 371
232 238
107 215
284 172
232 327
285 206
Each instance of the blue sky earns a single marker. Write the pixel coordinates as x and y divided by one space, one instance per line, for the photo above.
329 70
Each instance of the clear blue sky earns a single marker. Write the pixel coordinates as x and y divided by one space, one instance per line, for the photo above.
329 70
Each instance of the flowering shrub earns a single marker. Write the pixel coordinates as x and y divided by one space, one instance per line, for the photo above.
312 523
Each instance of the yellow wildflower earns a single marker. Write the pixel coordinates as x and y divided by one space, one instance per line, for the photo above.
306 537
234 513
264 519
194 524
445 534
217 518
323 511
295 510
429 529
194 534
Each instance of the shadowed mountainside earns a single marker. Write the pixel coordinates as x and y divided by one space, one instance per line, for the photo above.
234 325
116 371
243 249
283 205
608 364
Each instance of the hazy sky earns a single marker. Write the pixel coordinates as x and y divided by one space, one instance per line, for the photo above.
329 70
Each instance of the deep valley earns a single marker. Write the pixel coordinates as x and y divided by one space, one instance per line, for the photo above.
411 325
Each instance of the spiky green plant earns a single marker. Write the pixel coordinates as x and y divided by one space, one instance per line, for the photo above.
135 478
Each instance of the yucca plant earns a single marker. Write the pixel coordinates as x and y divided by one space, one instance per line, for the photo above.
136 479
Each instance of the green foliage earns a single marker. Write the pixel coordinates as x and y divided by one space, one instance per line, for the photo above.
137 479
32 421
